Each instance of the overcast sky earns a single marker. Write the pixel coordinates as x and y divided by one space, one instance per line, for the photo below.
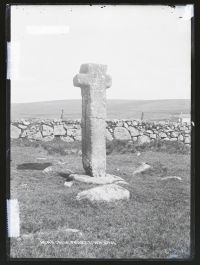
147 50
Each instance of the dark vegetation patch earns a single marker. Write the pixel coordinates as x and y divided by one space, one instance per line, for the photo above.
57 146
124 147
33 166
66 176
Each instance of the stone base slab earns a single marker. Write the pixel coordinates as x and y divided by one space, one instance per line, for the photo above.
98 180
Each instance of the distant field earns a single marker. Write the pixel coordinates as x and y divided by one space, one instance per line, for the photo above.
118 109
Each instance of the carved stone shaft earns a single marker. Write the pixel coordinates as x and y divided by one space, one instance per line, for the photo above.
93 82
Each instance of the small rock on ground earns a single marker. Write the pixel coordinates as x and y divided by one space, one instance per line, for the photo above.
68 184
171 177
42 158
143 167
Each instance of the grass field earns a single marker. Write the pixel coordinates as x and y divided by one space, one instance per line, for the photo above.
154 223
118 109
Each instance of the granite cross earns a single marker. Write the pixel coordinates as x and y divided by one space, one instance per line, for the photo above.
93 81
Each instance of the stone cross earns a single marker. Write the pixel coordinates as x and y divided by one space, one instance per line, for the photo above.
93 82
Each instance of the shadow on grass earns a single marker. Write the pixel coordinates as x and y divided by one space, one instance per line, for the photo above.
33 166
66 176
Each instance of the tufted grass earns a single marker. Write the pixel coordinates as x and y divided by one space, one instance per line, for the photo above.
154 223
56 146
158 145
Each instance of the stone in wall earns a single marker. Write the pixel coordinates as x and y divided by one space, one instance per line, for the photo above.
183 128
29 132
68 126
162 123
108 135
119 123
153 136
71 130
47 122
149 131
36 136
187 131
24 122
111 130
173 139
72 126
134 123
133 131
58 121
180 138
22 126
77 126
59 130
121 133
47 130
109 123
174 134
162 135
187 140
14 132
168 130
78 138
23 134
74 133
143 139
126 125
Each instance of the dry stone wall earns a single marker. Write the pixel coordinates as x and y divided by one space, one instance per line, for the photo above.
132 130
